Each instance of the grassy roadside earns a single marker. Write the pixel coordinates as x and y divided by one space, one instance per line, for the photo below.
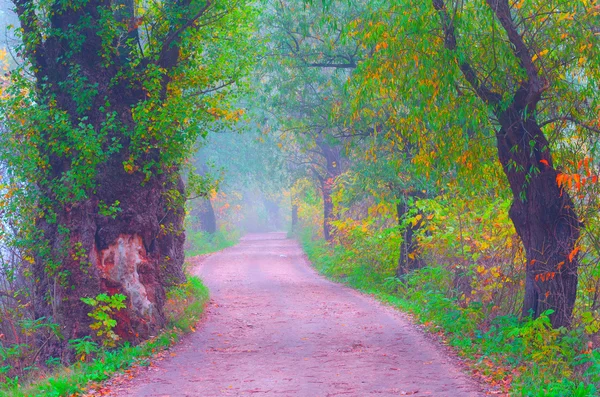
185 305
517 358
200 243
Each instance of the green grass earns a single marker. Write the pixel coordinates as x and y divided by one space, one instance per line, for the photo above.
528 357
200 243
185 304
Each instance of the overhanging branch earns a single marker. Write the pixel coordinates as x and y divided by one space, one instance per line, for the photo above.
482 91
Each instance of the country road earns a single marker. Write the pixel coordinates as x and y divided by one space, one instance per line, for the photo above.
274 327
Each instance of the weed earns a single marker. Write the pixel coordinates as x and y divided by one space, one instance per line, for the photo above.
103 307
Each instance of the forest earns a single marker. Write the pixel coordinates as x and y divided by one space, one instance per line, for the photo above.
439 155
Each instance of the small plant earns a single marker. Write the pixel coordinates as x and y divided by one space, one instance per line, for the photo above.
109 211
103 307
84 347
96 363
52 362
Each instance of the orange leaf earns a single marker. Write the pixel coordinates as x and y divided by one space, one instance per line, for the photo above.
573 253
545 162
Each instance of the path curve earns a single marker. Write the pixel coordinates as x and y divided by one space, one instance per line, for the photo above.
276 328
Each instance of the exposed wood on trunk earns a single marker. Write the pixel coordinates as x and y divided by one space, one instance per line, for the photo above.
140 251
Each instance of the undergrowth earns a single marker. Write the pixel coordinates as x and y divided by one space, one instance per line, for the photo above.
522 357
200 243
185 304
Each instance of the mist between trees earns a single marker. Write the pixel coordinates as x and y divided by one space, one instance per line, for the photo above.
436 146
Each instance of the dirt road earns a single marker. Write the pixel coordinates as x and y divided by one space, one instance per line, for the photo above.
276 328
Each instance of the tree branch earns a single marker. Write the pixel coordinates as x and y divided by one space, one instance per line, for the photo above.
169 53
482 91
8 295
351 65
32 37
212 89
572 120
535 86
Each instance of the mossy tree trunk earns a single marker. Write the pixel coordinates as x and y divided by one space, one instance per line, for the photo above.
118 229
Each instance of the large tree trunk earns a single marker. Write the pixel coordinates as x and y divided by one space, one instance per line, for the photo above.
543 214
137 253
137 250
206 215
409 259
544 217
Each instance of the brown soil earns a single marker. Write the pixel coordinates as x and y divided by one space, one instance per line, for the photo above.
276 328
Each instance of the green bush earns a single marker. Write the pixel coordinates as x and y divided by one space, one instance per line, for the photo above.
539 360
103 307
200 243
185 304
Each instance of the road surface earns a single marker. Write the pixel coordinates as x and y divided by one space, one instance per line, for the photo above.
274 327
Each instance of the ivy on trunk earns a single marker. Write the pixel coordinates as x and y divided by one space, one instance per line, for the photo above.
102 133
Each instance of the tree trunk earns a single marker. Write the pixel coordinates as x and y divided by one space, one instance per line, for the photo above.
544 217
543 214
136 248
409 259
208 221
332 171
294 216
272 214
328 213
138 253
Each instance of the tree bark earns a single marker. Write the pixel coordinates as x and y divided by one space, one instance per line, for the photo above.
328 213
294 216
208 221
544 218
130 254
409 259
137 251
543 214
332 171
